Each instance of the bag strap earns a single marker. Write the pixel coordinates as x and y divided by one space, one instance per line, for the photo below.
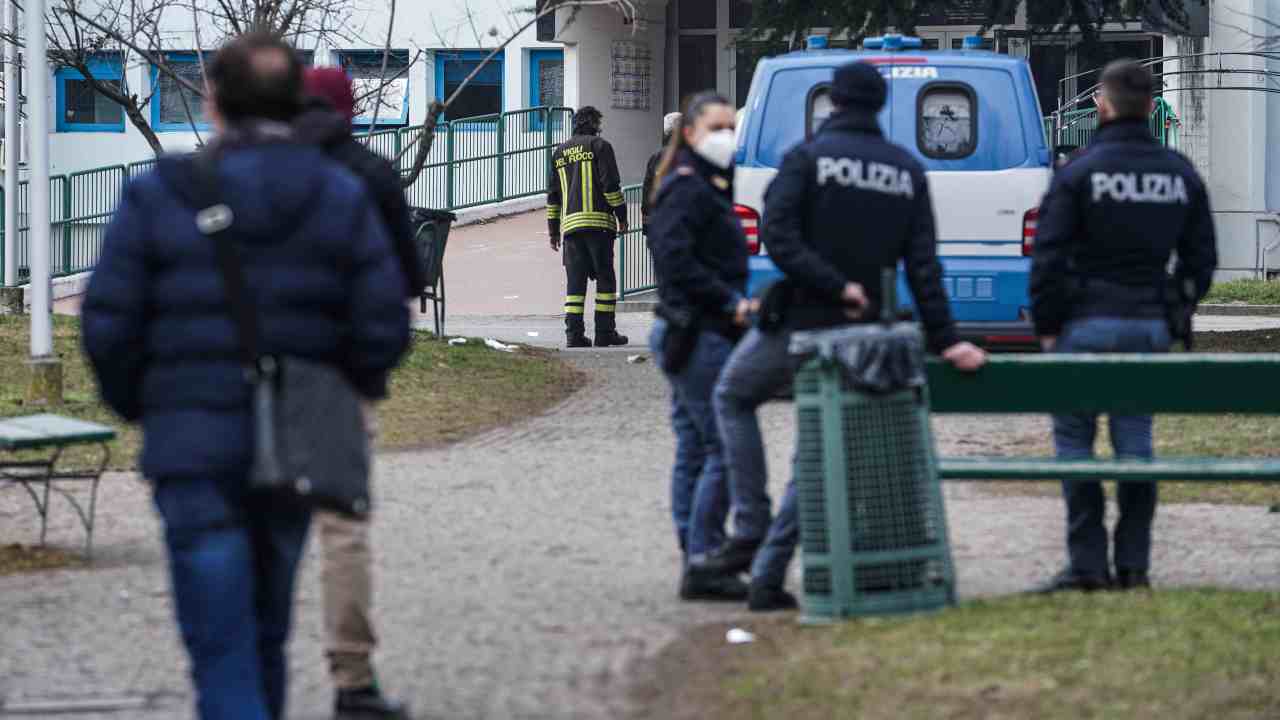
214 220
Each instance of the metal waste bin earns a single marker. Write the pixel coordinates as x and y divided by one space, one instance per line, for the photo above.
431 232
872 522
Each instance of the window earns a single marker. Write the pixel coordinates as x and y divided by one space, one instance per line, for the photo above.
481 96
386 96
740 13
987 44
546 31
697 65
175 108
818 109
929 43
947 125
698 14
81 108
1048 67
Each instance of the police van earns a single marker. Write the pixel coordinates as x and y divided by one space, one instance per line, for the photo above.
970 116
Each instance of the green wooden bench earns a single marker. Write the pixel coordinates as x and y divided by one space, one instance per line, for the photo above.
48 436
1182 383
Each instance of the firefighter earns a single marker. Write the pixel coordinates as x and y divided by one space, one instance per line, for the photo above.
586 209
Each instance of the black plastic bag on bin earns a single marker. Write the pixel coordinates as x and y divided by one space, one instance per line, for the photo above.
874 359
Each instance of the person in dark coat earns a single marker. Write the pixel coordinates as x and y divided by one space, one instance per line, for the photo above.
669 122
1113 218
700 259
845 205
346 578
158 329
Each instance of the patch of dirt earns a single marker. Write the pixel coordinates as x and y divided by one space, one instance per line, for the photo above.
17 558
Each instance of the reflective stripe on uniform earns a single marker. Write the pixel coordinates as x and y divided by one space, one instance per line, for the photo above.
605 307
553 212
575 299
606 296
587 221
574 309
587 171
615 199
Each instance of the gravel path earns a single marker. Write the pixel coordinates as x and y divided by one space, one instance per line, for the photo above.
524 573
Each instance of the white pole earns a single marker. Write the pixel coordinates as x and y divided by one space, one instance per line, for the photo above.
38 125
12 144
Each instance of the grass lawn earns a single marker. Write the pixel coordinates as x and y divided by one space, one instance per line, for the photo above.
439 394
1167 655
1253 292
1194 435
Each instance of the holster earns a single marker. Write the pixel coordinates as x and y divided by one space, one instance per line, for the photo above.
775 304
683 327
1179 307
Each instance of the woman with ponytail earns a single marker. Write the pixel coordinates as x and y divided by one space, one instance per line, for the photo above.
700 256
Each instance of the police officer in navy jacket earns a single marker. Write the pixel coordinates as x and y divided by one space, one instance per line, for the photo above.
1111 221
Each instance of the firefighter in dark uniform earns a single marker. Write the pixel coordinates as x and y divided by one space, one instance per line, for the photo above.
1111 221
844 206
585 207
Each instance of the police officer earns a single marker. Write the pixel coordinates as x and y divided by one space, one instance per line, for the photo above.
844 206
1112 218
586 207
649 188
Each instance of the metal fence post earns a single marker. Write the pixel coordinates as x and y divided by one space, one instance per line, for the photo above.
501 155
547 137
67 224
448 165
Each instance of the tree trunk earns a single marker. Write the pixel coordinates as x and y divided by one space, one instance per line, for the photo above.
424 144
140 121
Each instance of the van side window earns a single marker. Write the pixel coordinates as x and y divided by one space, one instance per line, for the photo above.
947 121
818 109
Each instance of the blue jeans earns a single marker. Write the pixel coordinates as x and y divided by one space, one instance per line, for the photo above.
699 493
759 368
233 558
1073 438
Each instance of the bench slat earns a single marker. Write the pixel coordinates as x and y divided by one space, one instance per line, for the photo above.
1122 384
1182 469
47 430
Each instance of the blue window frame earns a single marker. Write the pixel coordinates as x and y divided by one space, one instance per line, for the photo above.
483 95
83 109
169 112
365 69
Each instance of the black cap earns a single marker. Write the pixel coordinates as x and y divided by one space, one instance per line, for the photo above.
859 85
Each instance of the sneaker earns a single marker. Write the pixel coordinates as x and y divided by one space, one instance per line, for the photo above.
578 340
611 338
367 704
700 584
1132 580
734 556
766 598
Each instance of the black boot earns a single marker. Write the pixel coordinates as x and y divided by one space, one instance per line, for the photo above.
367 704
701 584
734 556
1132 580
610 338
1070 581
576 340
766 598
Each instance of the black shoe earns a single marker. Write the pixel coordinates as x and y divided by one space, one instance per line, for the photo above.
700 584
766 598
734 556
1132 580
1068 581
611 338
577 340
367 704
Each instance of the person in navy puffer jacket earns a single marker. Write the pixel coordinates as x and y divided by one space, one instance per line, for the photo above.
159 331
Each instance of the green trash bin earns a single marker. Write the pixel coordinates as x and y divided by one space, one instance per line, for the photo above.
431 232
873 527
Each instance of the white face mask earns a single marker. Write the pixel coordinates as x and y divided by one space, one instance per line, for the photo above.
717 148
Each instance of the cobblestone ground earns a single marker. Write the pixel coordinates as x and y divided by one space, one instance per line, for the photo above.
525 573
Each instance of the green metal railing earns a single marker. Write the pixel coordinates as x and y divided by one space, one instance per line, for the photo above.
635 262
1079 126
473 161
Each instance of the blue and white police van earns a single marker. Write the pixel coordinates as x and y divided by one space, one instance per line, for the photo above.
970 116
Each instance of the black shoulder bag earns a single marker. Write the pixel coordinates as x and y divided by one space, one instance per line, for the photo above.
309 437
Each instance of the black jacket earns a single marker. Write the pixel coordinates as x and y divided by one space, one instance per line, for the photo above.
584 188
1112 218
322 126
646 200
699 250
844 206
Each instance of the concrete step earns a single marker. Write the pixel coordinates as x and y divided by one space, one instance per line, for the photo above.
641 302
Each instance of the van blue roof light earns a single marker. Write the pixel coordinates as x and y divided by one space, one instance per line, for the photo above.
816 42
912 43
972 42
873 43
892 42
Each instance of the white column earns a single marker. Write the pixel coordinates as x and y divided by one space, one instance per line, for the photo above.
38 123
12 145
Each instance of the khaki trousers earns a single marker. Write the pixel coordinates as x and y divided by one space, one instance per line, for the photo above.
346 582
